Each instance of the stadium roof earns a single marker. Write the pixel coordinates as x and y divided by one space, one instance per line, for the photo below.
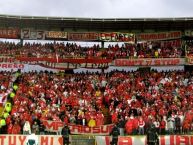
96 24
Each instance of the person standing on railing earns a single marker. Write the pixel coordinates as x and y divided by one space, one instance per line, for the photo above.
66 135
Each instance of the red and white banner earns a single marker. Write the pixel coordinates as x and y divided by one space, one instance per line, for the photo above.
32 34
21 140
56 126
159 36
141 140
149 62
11 66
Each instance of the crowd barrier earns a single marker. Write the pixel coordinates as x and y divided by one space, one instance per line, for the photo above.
97 140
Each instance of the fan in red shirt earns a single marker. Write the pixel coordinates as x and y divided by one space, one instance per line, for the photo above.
16 129
129 126
99 118
10 127
114 117
162 126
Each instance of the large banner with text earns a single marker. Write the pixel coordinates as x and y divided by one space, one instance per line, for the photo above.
149 62
159 36
56 126
142 140
21 140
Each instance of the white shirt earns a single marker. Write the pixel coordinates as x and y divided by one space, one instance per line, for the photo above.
32 137
27 127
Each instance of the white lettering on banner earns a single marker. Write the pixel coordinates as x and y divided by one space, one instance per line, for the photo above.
141 140
21 140
149 62
56 126
98 130
32 34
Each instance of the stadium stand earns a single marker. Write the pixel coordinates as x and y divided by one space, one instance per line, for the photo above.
146 80
72 98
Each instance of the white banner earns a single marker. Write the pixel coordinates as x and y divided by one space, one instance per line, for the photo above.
123 140
141 140
21 140
24 67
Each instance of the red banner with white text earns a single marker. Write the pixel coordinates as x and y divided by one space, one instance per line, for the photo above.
10 33
56 126
159 36
149 62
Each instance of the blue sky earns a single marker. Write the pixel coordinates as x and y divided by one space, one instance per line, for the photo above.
98 8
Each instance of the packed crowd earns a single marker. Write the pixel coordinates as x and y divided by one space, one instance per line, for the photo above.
158 49
132 101
47 50
61 50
